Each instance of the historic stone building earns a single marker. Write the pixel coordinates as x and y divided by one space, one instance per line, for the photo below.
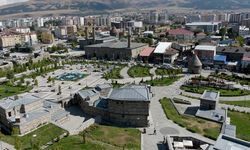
126 106
29 112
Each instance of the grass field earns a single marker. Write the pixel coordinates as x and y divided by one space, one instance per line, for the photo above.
242 122
162 81
168 71
8 90
139 71
206 128
223 92
43 135
114 74
102 137
237 103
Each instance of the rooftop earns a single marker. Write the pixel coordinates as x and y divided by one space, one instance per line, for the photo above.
246 57
205 47
87 93
231 49
130 93
209 95
162 47
225 142
180 31
202 23
220 58
147 51
11 103
118 45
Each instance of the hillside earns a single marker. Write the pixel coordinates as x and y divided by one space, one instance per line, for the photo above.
107 5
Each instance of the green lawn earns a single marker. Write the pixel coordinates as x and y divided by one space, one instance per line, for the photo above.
237 103
102 137
162 81
223 92
242 122
43 135
139 71
168 71
114 74
207 128
8 90
233 78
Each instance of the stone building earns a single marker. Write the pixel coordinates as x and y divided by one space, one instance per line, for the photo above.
126 106
114 50
194 64
209 100
29 112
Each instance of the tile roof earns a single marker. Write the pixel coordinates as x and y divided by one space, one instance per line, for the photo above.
180 31
147 51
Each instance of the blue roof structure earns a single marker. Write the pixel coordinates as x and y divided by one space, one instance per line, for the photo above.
222 58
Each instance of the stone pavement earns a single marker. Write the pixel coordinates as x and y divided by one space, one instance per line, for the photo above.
160 122
6 146
234 98
124 72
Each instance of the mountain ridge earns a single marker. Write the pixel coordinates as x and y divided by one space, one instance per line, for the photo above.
107 5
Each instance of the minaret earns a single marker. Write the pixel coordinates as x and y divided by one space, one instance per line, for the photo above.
129 37
93 32
86 33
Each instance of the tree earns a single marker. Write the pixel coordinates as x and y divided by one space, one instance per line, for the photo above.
36 82
240 41
10 75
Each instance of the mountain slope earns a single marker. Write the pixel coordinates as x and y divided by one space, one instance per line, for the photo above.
104 5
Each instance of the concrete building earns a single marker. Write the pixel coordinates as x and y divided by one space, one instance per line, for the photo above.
209 27
10 40
160 51
61 32
71 29
181 34
245 62
205 53
47 37
126 106
244 31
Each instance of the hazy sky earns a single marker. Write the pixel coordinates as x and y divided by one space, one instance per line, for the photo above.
5 2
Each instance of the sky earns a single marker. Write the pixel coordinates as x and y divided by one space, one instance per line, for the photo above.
5 2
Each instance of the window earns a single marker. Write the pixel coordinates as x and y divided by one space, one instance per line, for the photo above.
9 114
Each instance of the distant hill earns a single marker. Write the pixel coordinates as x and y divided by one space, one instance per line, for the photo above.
106 5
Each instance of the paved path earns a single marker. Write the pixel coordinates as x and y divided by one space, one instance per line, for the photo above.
159 121
234 98
152 71
124 72
6 146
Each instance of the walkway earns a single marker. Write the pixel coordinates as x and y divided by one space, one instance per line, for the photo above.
124 72
234 98
6 146
152 71
163 125
77 121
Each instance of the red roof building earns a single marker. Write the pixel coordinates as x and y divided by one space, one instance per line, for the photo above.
181 34
146 52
